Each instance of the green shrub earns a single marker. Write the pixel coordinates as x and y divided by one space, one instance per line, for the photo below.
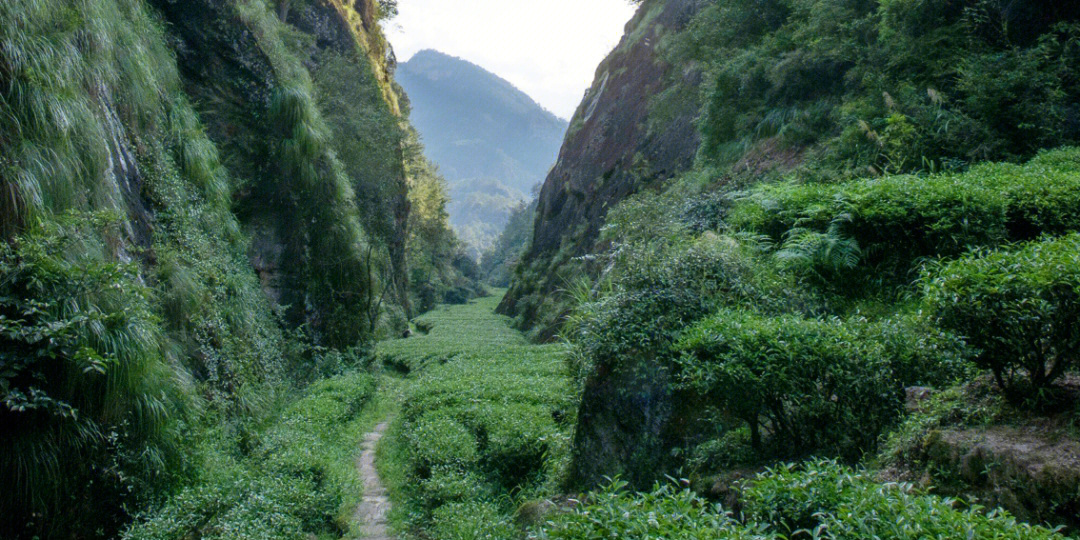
473 521
1019 308
808 385
90 402
893 222
290 479
917 351
485 421
813 500
656 292
665 512
897 85
826 500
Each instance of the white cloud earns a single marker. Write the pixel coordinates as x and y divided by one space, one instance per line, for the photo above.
547 48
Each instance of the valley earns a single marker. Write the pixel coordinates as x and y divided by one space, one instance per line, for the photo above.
800 269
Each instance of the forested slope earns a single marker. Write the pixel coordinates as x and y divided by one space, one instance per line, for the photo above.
827 89
612 148
859 244
206 206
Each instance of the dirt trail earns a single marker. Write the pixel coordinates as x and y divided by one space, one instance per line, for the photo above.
371 512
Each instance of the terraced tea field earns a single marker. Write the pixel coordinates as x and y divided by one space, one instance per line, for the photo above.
483 428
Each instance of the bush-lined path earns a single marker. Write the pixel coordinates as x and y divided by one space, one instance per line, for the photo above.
372 510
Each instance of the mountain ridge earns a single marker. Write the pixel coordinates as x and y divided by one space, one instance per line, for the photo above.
492 141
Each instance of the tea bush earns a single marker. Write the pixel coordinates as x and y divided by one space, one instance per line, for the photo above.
666 512
917 351
485 421
826 500
812 500
811 386
895 221
1020 308
655 293
290 479
448 331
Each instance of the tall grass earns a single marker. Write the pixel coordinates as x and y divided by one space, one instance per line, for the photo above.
295 479
91 401
95 120
327 236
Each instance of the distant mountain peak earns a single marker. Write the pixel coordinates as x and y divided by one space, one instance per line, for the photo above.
491 140
436 64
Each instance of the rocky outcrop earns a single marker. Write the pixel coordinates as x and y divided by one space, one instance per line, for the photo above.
612 149
977 447
232 66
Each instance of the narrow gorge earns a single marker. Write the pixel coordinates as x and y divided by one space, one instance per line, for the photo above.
799 269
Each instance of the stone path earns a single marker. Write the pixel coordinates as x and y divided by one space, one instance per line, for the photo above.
371 512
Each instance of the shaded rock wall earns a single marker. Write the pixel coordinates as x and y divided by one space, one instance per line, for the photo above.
609 152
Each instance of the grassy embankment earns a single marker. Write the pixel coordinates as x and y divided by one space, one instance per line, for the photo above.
292 476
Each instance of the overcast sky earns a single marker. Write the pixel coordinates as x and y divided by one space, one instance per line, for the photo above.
547 48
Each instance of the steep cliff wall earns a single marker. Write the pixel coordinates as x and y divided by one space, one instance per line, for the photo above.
174 175
611 150
250 75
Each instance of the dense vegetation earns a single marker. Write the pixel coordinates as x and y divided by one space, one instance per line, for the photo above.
882 207
831 90
290 478
499 261
206 209
483 427
818 500
861 296
757 343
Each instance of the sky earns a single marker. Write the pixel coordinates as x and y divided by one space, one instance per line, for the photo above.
547 48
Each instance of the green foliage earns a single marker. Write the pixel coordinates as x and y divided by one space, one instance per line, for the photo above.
90 401
325 231
486 420
895 86
290 479
97 121
811 385
498 263
837 232
439 269
665 512
366 138
826 500
388 9
916 350
1019 308
655 292
472 521
813 500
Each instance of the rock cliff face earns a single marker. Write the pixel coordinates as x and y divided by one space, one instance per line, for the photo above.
612 149
230 68
248 159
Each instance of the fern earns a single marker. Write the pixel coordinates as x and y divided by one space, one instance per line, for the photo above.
823 255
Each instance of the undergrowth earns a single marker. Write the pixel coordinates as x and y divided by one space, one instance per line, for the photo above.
290 477
819 500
